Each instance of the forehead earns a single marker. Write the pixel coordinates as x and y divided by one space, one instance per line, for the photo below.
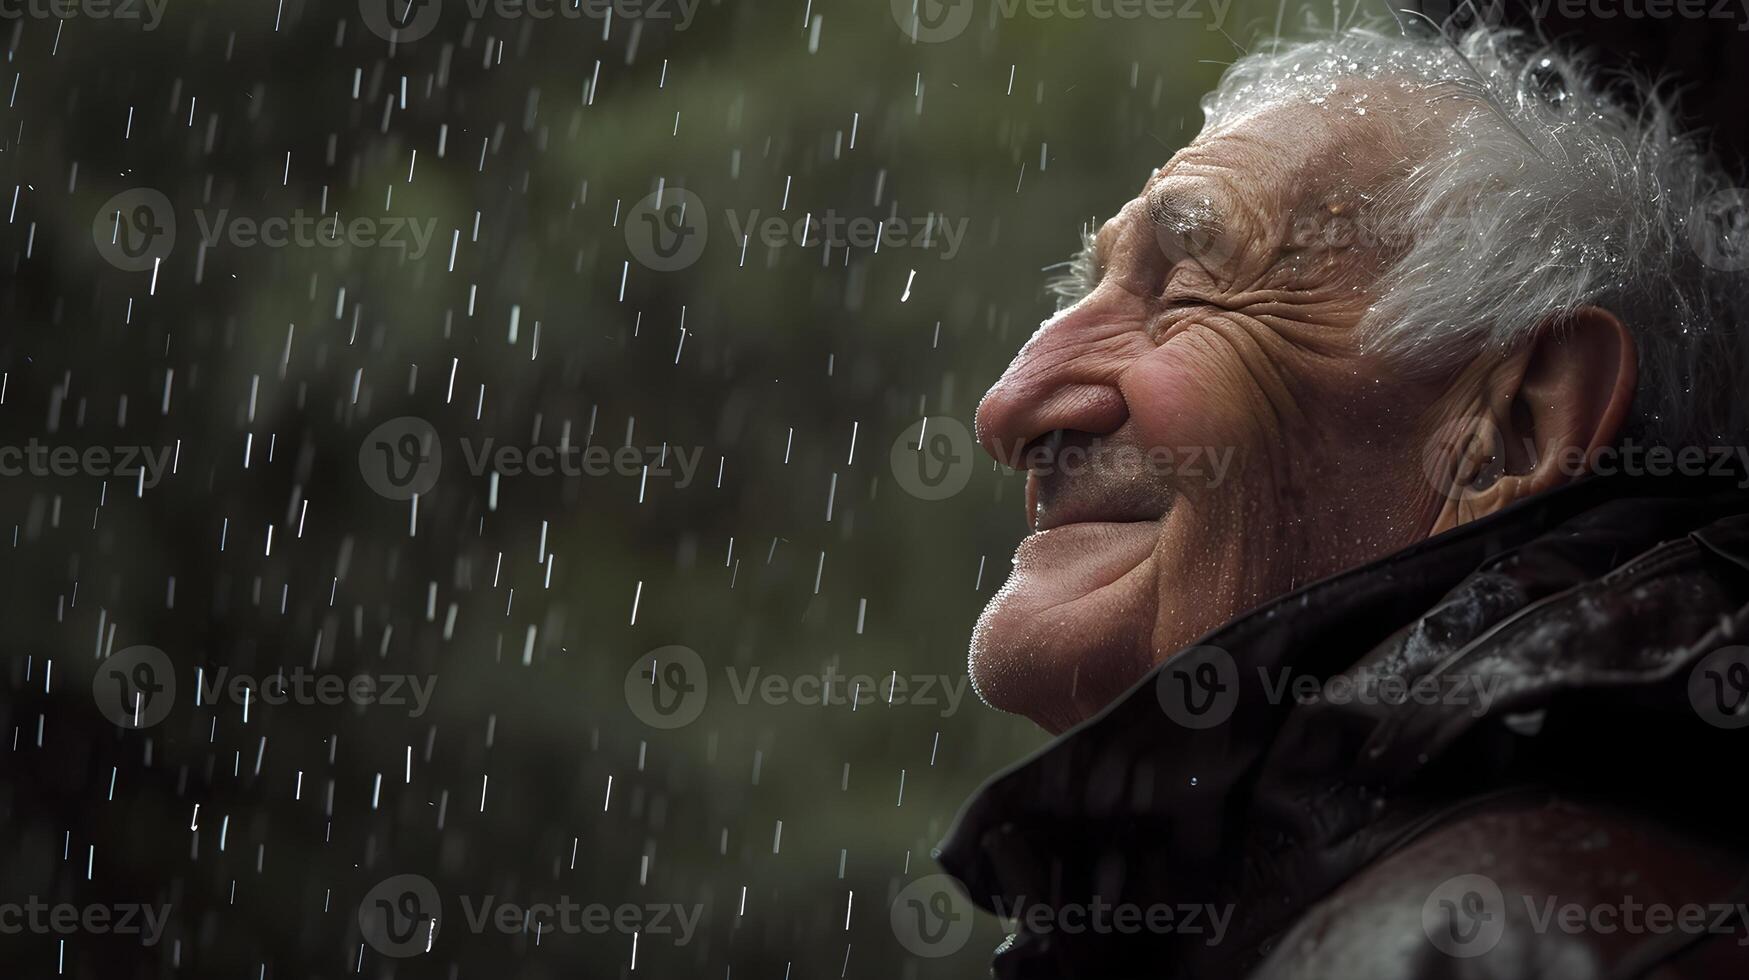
1345 150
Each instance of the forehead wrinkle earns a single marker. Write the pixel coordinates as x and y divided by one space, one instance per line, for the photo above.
1250 176
1226 179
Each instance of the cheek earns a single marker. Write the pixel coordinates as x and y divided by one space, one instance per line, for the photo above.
1194 394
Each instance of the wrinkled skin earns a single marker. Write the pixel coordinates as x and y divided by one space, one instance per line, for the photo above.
1241 340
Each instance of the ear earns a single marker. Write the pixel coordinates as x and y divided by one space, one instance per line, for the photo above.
1545 412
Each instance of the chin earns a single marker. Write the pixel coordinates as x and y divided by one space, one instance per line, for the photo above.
1069 631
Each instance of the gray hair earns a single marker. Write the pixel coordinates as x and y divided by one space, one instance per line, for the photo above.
1552 193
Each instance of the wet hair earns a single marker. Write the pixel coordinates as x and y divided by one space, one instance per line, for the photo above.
1554 186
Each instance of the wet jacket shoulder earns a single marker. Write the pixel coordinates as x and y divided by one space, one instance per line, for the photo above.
1563 890
1480 756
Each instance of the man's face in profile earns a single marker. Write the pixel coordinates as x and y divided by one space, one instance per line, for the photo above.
1202 429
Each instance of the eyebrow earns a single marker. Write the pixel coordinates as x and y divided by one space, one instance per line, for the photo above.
1073 279
1190 221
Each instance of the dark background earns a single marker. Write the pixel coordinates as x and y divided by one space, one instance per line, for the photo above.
1026 127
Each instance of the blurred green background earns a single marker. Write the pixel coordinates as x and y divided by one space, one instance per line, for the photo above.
528 141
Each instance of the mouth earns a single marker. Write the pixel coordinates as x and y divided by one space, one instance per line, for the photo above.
1049 507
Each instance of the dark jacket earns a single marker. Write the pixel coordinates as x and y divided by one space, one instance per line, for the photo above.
1535 773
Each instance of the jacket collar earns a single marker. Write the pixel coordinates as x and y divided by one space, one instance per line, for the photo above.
1135 805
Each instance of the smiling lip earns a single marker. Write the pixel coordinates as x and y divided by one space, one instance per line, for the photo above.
1065 508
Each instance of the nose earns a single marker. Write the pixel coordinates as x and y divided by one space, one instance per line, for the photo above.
1054 383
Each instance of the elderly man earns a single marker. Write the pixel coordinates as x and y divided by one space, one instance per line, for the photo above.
1440 677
